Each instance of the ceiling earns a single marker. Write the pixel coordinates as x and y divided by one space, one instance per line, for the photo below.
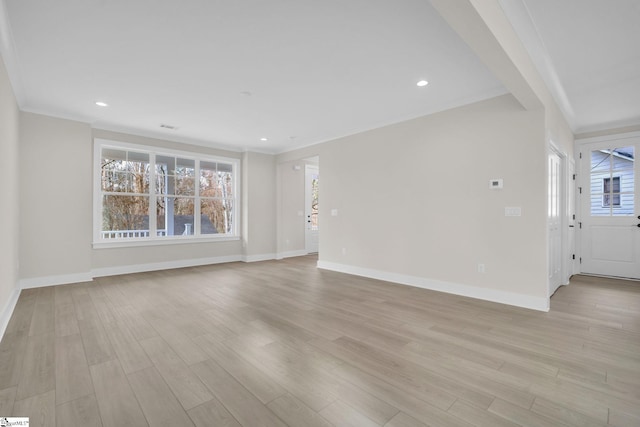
587 52
231 73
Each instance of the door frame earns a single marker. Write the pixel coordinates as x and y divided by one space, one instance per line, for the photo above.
566 251
583 182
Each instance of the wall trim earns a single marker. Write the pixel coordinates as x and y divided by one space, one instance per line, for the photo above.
6 313
259 257
291 254
502 297
155 266
61 279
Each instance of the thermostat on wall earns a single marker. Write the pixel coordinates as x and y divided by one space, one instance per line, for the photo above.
495 184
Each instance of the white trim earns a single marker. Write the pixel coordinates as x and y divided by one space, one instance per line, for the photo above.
141 268
6 313
168 240
502 297
259 257
61 279
291 254
603 138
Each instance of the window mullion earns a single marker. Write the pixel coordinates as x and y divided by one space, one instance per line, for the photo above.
153 223
196 200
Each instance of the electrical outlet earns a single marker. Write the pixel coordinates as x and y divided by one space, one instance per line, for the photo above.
481 268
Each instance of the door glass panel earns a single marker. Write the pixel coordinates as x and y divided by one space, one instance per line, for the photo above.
314 202
612 182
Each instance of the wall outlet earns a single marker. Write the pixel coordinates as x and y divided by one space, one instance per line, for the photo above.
344 251
481 268
334 212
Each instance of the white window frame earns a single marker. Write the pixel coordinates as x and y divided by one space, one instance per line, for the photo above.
152 239
611 179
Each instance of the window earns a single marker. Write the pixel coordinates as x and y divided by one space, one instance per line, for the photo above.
144 195
611 193
612 182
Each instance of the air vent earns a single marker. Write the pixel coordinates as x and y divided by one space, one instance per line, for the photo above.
165 126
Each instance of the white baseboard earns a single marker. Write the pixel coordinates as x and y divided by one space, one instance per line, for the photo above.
7 311
510 298
61 279
141 268
291 254
257 258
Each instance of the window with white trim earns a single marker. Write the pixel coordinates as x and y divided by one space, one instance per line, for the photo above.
611 193
146 194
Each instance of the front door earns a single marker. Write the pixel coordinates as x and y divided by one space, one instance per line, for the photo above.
610 230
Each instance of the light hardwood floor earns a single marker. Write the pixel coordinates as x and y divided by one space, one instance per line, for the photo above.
283 343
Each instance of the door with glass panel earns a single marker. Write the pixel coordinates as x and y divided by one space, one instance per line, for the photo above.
311 208
610 224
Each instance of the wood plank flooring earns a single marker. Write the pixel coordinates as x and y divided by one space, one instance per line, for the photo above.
282 343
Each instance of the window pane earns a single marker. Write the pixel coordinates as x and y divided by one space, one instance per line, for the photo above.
225 184
622 204
161 178
208 179
185 185
220 214
612 182
125 216
175 216
125 171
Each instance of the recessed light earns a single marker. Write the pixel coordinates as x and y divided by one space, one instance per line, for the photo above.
263 139
422 83
101 104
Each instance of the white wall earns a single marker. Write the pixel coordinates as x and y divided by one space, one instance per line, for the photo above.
259 206
414 203
55 198
9 209
56 175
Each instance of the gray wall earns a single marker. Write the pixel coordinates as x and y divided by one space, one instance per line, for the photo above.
259 206
9 208
413 199
56 175
55 197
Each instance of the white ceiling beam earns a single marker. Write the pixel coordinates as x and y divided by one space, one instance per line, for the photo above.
8 55
483 25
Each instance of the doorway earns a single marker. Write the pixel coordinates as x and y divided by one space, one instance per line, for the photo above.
610 225
555 208
311 193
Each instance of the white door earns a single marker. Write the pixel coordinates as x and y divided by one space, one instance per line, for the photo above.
311 208
610 233
555 210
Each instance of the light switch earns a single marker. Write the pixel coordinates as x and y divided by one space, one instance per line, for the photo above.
513 211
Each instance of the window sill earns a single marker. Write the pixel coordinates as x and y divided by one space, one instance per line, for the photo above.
177 240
